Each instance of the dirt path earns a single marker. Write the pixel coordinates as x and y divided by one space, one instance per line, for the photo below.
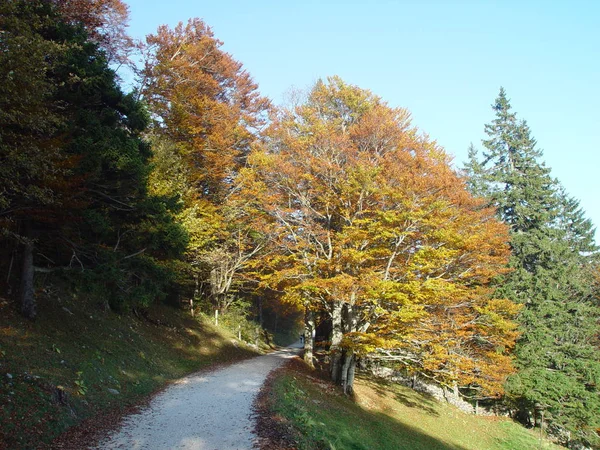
207 411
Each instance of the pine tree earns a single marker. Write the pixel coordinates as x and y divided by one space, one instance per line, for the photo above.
74 166
475 181
553 251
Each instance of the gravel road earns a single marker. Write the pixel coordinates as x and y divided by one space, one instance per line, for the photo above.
205 411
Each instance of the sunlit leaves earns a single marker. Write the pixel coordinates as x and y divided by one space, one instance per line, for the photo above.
203 101
371 217
553 256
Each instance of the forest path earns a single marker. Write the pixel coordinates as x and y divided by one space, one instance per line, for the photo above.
204 411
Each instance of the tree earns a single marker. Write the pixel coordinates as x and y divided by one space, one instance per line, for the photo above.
371 227
32 164
76 191
203 101
553 255
207 113
105 22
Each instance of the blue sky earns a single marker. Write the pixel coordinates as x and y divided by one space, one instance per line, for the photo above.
442 60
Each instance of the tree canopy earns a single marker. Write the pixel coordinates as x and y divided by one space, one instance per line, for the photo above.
553 259
195 187
370 225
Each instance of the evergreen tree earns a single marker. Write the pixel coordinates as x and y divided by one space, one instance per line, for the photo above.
552 259
73 165
475 183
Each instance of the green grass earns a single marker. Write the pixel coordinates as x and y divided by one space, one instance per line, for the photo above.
386 416
57 370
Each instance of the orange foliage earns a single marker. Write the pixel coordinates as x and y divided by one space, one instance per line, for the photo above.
368 216
204 101
106 22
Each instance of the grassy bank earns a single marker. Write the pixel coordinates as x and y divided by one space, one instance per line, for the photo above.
78 361
382 416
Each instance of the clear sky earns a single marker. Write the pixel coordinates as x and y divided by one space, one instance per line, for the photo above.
443 60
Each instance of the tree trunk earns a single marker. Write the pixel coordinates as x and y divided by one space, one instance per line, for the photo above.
222 302
196 285
309 340
217 296
28 306
260 312
347 375
351 372
196 292
335 350
12 259
538 414
349 367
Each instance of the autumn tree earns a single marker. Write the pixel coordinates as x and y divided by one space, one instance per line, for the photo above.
553 256
203 101
372 228
105 22
207 112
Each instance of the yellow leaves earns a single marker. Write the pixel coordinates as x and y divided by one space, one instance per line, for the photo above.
339 103
407 315
497 317
437 290
203 224
363 344
435 357
370 215
433 260
262 160
501 307
340 287
395 293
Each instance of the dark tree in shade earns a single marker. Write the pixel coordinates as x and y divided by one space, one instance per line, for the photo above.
73 166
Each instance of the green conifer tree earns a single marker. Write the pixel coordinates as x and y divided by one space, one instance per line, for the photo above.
553 254
73 165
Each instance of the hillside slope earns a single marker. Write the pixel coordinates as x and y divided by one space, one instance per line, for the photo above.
302 411
78 361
